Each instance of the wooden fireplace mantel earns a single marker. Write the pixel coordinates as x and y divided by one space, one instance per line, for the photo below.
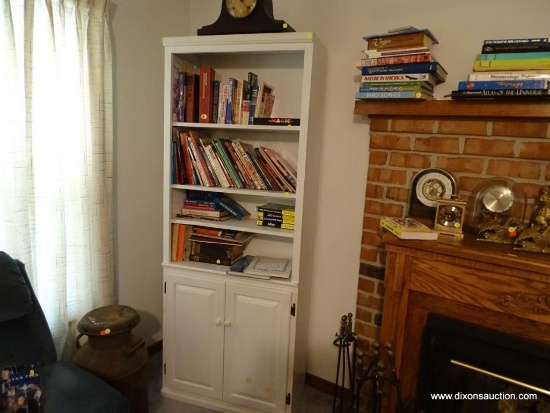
489 285
479 108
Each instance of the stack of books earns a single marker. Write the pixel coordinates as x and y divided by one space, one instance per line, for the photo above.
210 245
199 160
212 206
400 65
509 69
276 216
216 246
261 267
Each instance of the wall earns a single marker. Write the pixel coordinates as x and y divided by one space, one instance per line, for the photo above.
138 27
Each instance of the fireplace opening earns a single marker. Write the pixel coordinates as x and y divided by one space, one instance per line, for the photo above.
466 368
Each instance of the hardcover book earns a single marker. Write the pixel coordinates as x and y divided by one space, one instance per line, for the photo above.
371 54
408 228
408 38
408 77
502 93
285 210
192 85
271 267
394 95
511 75
207 76
512 64
395 60
503 84
433 68
240 266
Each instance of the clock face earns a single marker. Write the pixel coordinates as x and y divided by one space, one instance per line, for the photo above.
498 199
450 216
240 8
432 186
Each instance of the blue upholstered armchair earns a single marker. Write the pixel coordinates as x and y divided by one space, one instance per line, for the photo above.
25 339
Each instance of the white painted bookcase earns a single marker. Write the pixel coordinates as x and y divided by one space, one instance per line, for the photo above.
232 343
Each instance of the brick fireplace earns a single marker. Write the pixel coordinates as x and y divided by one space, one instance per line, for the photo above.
471 139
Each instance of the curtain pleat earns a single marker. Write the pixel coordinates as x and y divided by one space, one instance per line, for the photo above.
56 153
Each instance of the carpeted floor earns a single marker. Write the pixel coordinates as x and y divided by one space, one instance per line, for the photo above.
314 401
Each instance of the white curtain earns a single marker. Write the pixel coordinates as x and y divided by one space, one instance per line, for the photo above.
56 139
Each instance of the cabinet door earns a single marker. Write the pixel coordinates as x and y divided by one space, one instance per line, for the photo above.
256 347
194 329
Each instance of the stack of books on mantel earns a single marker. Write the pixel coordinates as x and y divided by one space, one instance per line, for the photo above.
509 69
400 65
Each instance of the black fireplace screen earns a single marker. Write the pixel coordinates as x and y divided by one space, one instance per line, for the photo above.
467 368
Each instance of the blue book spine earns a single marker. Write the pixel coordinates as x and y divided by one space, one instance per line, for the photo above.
231 85
512 56
390 95
502 84
427 67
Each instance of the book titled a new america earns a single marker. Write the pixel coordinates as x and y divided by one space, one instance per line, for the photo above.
408 228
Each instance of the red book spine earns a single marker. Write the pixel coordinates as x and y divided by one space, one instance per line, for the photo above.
207 75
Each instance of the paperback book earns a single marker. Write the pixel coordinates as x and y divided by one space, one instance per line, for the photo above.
271 267
503 84
394 95
408 228
240 266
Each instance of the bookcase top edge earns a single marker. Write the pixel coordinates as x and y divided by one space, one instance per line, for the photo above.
254 38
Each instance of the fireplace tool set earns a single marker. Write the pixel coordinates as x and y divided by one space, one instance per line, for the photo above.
376 373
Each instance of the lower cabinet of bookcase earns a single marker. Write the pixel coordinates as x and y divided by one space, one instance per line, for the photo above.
226 344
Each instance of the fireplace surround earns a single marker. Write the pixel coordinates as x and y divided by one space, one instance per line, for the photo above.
473 140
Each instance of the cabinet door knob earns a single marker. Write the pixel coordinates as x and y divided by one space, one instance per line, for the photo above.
227 323
218 322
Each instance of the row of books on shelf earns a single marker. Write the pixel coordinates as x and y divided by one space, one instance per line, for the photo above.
400 65
201 95
199 160
224 247
207 245
276 215
508 69
212 206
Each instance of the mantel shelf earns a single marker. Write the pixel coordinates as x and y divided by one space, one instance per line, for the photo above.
453 108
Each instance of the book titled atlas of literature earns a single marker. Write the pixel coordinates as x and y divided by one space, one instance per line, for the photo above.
408 228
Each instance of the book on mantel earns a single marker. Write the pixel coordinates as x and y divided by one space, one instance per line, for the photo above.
408 228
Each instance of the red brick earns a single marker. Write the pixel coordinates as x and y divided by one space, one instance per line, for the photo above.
388 141
366 285
413 125
381 289
387 175
532 191
489 147
547 173
410 160
381 125
461 164
371 224
367 330
370 301
364 315
455 127
527 129
469 183
382 208
437 144
378 157
382 257
369 255
397 194
371 239
514 169
375 191
535 150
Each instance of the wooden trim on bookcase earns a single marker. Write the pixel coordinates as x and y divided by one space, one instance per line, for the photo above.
454 108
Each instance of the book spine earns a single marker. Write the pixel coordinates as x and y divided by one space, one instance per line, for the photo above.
285 212
180 107
393 228
225 172
516 75
249 168
204 205
500 93
515 41
215 100
192 84
263 176
392 89
264 223
397 41
276 121
224 203
239 167
206 75
222 105
211 260
392 95
514 56
182 238
200 163
252 81
202 212
514 64
277 161
395 60
209 171
373 54
253 102
430 67
276 181
280 219
516 48
419 77
286 185
502 84
231 85
174 244
225 158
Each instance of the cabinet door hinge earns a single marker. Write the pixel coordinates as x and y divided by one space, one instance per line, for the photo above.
164 287
288 399
293 310
164 368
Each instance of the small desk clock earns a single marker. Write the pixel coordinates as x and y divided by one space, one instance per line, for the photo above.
427 186
449 217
